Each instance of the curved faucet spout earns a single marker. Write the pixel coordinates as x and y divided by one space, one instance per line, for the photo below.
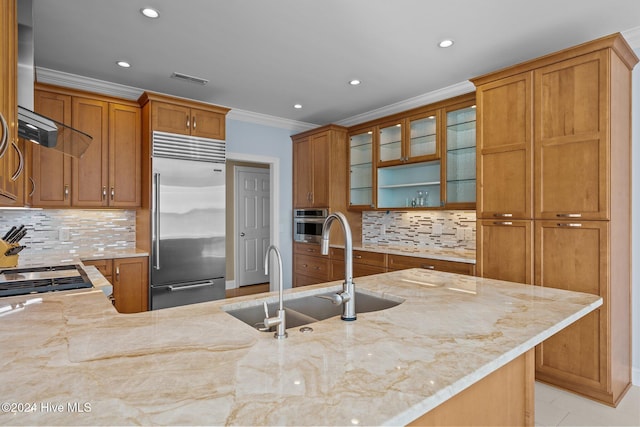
279 320
348 294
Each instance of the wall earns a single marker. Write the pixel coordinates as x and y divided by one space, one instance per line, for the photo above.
635 251
444 229
258 140
73 231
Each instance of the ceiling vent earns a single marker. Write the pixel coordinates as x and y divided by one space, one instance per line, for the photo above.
188 78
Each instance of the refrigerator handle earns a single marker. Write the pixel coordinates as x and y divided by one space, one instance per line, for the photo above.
156 222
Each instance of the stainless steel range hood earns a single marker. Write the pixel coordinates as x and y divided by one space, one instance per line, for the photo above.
33 126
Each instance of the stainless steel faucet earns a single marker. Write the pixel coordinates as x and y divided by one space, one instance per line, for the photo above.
348 295
279 319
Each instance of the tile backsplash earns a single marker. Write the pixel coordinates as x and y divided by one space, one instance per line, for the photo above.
444 229
80 231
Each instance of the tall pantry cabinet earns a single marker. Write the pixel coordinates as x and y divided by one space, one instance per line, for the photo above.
553 200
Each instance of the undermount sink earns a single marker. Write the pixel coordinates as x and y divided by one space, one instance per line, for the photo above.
308 309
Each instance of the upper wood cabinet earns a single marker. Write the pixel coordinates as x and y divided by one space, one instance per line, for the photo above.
186 117
505 151
11 156
409 140
320 168
108 173
361 163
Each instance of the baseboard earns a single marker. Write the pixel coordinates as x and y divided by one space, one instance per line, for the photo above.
635 376
230 284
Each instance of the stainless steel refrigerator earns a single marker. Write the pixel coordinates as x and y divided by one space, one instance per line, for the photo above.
187 220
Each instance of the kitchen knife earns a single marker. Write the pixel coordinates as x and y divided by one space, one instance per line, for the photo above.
16 238
6 236
11 238
14 251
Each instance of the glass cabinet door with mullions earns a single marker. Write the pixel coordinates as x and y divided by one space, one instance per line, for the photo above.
361 170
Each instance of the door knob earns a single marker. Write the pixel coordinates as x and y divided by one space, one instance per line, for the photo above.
242 234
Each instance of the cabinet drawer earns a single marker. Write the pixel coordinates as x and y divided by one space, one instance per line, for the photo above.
399 262
302 280
378 259
312 266
104 266
359 270
307 249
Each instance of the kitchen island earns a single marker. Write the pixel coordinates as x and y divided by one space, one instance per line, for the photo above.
69 358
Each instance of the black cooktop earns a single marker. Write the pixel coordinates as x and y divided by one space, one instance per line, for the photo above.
21 281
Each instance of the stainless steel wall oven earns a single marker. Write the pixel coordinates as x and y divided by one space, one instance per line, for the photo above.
307 224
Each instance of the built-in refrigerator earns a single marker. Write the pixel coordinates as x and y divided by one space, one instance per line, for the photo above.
187 220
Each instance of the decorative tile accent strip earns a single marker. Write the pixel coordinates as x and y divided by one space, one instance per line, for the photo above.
437 229
71 230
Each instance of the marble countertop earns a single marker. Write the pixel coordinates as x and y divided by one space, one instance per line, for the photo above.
71 256
194 365
446 254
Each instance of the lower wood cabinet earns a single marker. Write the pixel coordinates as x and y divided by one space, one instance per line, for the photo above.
505 250
130 280
310 267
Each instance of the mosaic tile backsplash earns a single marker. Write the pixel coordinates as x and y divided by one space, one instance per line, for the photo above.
437 229
80 231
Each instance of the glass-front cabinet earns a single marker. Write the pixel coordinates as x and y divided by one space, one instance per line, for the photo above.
409 140
460 148
361 169
390 144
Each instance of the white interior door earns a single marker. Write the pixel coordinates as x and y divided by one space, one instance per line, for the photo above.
253 219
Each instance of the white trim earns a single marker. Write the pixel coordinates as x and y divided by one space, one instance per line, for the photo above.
274 208
632 36
407 104
74 81
230 284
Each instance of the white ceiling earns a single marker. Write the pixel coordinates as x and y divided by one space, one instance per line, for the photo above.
266 55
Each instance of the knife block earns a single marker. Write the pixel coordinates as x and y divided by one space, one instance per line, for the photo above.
7 260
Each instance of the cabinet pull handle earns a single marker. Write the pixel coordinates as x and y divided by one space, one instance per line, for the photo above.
569 215
502 215
357 256
66 192
156 221
569 224
309 250
16 175
104 192
113 193
502 223
118 273
33 186
194 122
428 267
4 143
305 265
187 122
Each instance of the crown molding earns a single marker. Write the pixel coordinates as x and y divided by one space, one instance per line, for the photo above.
74 81
632 36
417 101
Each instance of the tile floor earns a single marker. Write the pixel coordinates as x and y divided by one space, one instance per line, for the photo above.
555 407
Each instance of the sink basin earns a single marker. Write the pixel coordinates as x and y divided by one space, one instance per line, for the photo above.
308 309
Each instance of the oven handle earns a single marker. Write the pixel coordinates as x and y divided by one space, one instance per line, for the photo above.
191 285
309 220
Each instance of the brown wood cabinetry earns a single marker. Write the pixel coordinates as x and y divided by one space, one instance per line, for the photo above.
320 168
11 156
108 173
572 111
186 117
310 267
129 277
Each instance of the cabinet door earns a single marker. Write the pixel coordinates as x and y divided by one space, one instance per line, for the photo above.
361 170
574 256
505 250
390 145
8 100
571 138
302 173
172 118
51 168
207 124
90 172
422 139
125 145
504 170
321 177
459 165
131 284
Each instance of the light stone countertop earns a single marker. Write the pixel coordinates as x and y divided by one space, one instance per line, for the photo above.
197 365
445 254
29 258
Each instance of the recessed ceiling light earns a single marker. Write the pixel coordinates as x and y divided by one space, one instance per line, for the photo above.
297 106
446 43
123 64
354 82
150 12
